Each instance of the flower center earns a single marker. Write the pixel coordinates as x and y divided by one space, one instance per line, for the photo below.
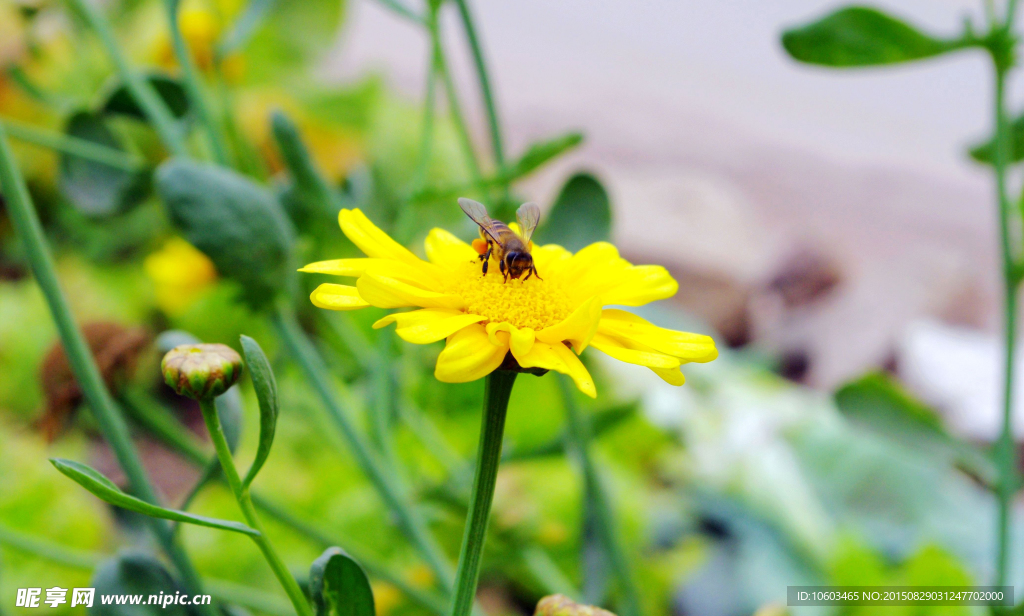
532 303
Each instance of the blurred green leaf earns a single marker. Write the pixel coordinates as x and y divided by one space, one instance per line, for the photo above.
339 586
308 199
862 36
541 153
582 215
105 490
236 222
877 402
290 37
244 26
986 152
266 392
131 574
601 422
96 189
121 102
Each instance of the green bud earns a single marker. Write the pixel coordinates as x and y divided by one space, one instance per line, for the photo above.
560 605
201 371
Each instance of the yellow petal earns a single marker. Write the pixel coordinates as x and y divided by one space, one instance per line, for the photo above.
446 250
428 325
370 239
422 274
386 292
596 257
339 267
684 345
559 358
520 340
337 297
469 355
672 376
578 328
639 285
638 354
549 259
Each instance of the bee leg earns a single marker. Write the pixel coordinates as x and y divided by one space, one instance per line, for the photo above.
529 273
504 271
486 257
533 270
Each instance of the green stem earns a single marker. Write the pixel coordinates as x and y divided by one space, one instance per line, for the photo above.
73 146
241 493
578 444
141 90
316 373
419 178
108 418
402 11
452 96
485 82
193 87
383 406
492 427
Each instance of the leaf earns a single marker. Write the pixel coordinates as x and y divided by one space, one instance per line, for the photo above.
133 574
309 200
234 221
582 215
339 586
121 102
540 153
986 152
879 403
245 26
266 392
96 189
105 490
291 35
862 36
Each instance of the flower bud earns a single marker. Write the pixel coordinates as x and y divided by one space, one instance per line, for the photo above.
560 605
201 371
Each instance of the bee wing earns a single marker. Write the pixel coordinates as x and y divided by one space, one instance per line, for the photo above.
528 216
478 213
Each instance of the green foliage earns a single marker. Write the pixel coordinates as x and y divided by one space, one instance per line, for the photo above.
236 222
266 392
291 36
862 36
308 199
986 152
135 573
339 586
105 490
582 215
94 188
541 153
120 101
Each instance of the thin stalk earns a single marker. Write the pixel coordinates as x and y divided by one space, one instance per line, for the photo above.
142 91
108 417
403 11
497 391
73 146
409 521
578 432
452 96
485 82
241 493
383 406
193 86
419 178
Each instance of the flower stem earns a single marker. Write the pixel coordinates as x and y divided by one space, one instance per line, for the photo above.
452 96
492 427
145 95
485 83
578 446
83 365
241 493
74 146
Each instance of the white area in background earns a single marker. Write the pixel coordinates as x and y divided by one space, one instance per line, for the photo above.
959 372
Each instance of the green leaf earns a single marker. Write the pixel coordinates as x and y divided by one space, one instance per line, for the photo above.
244 26
862 36
132 574
266 392
877 402
986 152
290 37
308 199
339 586
105 490
541 153
121 102
236 222
96 189
582 215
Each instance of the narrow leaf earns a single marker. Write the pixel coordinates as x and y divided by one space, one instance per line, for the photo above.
541 153
339 586
120 101
309 200
266 392
582 215
986 152
863 36
105 490
245 26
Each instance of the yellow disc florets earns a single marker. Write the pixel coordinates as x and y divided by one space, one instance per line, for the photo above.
532 303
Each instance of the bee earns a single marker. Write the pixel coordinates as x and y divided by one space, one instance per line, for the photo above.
510 249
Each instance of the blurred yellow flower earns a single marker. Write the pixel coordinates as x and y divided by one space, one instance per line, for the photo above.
483 317
201 27
181 273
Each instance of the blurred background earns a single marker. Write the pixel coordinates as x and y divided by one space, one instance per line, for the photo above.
827 228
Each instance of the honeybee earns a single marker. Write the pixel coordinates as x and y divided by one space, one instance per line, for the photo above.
511 249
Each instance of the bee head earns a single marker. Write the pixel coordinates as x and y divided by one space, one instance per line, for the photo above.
518 263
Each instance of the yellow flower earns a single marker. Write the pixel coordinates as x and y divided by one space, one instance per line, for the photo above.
181 273
484 317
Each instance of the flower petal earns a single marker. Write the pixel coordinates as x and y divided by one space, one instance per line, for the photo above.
387 292
639 285
559 358
578 328
469 355
520 340
672 376
429 324
446 250
370 239
684 345
340 267
638 354
337 297
549 258
423 275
